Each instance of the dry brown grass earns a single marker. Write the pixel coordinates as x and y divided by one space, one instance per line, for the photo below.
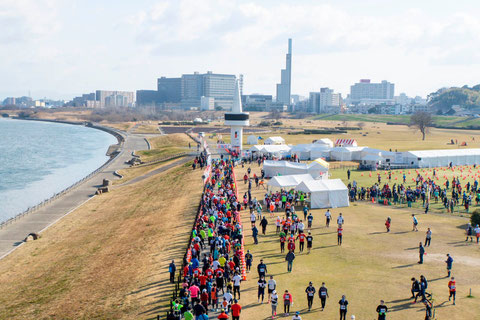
109 258
166 145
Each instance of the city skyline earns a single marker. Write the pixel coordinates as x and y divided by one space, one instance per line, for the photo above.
63 50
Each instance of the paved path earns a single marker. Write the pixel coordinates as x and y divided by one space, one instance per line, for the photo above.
12 235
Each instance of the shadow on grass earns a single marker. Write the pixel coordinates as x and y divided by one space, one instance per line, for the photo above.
405 266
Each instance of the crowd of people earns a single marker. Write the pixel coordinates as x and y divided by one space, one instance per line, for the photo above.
426 190
213 276
212 272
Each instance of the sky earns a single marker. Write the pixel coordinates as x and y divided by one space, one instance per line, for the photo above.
62 48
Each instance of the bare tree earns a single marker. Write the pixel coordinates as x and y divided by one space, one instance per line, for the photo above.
421 121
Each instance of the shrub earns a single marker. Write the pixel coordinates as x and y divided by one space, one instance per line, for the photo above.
475 218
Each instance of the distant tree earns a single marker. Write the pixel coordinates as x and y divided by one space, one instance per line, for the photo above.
218 108
275 114
421 121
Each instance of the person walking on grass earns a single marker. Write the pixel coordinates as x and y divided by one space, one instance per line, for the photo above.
421 253
236 285
262 269
428 237
309 242
261 288
452 288
289 258
340 220
287 301
469 232
305 212
382 310
428 310
323 294
248 260
274 303
271 286
301 236
343 308
264 224
415 223
171 269
476 231
236 310
339 235
310 291
309 220
255 234
388 222
328 217
449 263
297 316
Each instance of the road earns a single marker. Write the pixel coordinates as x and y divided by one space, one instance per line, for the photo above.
12 235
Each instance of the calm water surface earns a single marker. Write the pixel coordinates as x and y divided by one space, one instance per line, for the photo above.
39 159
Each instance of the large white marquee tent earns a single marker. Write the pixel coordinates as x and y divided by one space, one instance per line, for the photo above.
325 193
290 181
317 168
442 158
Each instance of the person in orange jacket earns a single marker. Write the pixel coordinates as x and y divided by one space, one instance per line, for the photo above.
287 301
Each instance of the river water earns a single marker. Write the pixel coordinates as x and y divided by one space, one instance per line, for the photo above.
39 159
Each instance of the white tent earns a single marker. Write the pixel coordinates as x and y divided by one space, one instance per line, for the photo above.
317 168
346 153
442 158
275 140
325 141
277 150
290 181
252 139
325 193
311 151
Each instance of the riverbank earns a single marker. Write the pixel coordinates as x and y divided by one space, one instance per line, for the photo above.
12 234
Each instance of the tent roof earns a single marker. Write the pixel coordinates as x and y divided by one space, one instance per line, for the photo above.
276 139
289 181
321 185
268 148
324 141
444 153
283 164
320 161
347 149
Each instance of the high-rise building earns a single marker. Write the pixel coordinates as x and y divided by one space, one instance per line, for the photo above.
221 87
325 101
107 98
285 85
366 92
169 89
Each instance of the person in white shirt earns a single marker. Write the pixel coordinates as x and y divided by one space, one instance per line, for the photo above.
215 265
297 316
228 296
253 218
340 220
328 217
300 226
274 303
271 285
236 285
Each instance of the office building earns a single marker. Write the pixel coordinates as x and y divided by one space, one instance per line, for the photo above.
207 103
325 101
169 89
367 92
285 85
257 102
221 87
107 98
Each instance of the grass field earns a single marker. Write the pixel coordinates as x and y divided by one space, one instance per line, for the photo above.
370 265
369 178
109 258
163 146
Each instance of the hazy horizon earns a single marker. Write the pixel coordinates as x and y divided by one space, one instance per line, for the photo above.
58 49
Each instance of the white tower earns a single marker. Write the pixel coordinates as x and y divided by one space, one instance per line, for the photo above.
237 119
